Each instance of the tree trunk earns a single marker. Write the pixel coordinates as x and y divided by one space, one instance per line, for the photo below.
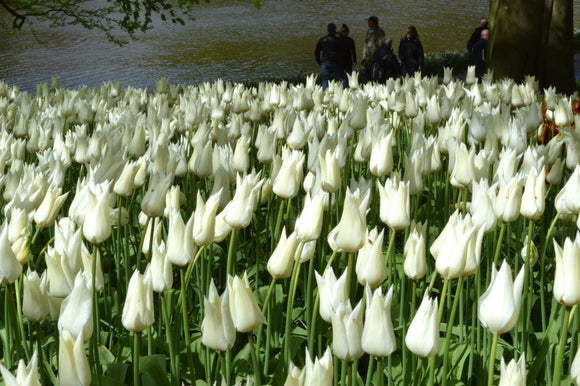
533 37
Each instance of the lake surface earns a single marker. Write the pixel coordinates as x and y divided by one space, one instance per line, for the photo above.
231 40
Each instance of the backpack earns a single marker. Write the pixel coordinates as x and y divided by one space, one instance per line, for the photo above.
386 66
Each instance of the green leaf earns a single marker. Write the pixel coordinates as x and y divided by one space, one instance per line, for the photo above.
153 370
117 372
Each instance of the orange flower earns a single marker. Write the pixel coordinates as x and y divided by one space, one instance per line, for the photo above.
576 106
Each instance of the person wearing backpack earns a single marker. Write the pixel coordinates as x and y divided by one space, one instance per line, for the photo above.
384 62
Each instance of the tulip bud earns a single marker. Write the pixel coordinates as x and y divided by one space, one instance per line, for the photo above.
138 312
414 171
35 297
415 264
381 160
201 163
97 222
395 202
567 279
470 77
457 249
10 267
26 375
566 201
76 311
533 202
320 371
514 374
204 219
161 270
289 177
241 157
88 269
59 273
499 306
73 366
575 368
508 200
332 292
124 185
18 225
294 376
347 327
180 244
309 223
153 203
350 233
245 199
330 175
46 213
217 328
370 264
481 208
282 259
533 257
563 114
378 336
245 312
423 335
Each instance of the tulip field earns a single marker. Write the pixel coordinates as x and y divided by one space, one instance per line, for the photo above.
419 232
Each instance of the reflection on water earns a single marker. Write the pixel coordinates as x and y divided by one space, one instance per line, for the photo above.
230 40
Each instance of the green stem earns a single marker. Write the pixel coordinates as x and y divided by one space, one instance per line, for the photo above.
329 262
449 328
185 321
19 316
389 257
442 300
223 365
561 348
136 355
289 308
257 377
279 220
231 251
96 317
498 245
260 329
492 361
350 381
380 378
140 251
349 275
543 270
174 368
526 298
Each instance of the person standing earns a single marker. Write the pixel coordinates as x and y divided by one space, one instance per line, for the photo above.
385 63
475 36
479 52
372 42
329 54
350 51
411 52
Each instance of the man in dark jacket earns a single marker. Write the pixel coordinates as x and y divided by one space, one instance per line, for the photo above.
479 52
385 63
330 53
475 36
350 51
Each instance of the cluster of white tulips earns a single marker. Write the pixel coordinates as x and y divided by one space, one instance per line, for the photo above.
410 232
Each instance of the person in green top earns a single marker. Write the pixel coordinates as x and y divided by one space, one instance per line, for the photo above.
372 42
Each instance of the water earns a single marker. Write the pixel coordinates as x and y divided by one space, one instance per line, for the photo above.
231 40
